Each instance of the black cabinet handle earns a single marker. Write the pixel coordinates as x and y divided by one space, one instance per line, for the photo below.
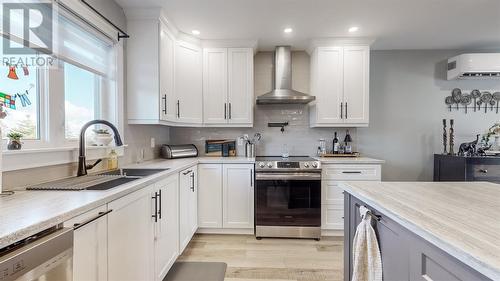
230 112
164 98
99 215
225 111
484 171
346 110
192 182
351 172
155 215
341 110
251 177
178 109
187 172
159 204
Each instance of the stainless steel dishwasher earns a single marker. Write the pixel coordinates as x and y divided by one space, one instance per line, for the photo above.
47 255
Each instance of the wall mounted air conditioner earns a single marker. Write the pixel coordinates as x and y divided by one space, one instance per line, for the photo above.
474 66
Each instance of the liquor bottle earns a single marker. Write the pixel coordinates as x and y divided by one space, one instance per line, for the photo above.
347 141
335 144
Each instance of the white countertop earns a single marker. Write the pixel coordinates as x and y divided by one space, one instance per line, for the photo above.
349 160
462 219
28 212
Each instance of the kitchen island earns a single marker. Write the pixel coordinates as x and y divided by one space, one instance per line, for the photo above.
429 231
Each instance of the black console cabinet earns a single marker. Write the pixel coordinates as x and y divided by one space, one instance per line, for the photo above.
459 168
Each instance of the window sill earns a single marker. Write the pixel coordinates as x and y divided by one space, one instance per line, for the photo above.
43 157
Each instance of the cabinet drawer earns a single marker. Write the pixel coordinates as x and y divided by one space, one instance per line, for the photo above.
332 216
483 172
352 172
332 193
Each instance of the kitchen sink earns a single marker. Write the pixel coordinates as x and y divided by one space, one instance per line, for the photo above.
102 181
133 172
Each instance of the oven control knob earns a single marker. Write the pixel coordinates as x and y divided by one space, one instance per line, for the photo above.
270 164
261 164
315 164
306 165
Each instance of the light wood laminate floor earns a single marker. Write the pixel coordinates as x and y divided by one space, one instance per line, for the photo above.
249 259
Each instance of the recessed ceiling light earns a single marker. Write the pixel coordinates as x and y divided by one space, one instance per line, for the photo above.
195 32
353 29
288 30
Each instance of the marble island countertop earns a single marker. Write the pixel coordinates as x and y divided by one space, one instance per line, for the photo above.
462 219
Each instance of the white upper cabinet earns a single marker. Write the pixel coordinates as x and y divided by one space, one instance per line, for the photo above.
188 83
164 82
228 87
340 82
167 95
215 86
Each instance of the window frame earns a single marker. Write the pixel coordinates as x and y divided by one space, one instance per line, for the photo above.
51 121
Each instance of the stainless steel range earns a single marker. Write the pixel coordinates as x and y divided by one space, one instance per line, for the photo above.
287 197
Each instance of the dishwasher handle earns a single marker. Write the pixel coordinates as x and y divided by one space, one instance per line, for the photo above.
99 215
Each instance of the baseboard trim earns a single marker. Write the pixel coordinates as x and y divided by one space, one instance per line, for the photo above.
246 231
332 232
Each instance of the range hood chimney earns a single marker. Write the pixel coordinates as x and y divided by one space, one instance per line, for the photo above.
283 93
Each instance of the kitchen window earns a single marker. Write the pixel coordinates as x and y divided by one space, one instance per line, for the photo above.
82 90
21 99
84 85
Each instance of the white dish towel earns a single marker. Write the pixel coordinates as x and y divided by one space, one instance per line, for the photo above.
366 253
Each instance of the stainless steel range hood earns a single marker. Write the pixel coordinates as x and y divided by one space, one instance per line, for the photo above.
283 93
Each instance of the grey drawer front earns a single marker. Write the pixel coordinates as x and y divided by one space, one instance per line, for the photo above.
482 172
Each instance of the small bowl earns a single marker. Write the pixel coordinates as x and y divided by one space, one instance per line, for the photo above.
102 139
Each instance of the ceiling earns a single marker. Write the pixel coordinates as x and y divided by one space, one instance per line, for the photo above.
395 24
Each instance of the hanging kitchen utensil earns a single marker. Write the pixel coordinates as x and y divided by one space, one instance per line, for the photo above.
475 94
492 104
496 97
457 96
485 98
449 101
465 101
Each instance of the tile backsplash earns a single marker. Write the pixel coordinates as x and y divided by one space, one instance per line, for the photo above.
299 138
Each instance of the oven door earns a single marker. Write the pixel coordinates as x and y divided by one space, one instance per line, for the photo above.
288 199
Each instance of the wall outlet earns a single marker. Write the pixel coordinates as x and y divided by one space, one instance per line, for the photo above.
153 143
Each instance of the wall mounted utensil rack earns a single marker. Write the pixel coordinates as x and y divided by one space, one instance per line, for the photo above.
476 101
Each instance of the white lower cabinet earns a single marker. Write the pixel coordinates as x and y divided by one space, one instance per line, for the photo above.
90 249
237 196
143 232
166 249
210 195
131 237
188 206
226 196
332 197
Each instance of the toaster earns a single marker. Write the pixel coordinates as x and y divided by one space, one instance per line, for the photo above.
178 151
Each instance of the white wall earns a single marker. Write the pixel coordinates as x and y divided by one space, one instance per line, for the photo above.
407 92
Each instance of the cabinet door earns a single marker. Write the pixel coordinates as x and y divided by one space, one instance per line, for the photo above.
90 249
332 217
356 84
188 83
186 207
130 237
167 95
238 196
167 227
210 195
327 85
215 105
240 86
193 202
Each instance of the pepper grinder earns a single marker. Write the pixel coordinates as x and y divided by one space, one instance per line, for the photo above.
445 138
452 137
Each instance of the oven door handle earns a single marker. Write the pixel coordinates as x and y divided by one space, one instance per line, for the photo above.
288 176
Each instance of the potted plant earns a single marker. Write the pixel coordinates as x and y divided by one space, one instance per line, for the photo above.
102 137
495 132
14 141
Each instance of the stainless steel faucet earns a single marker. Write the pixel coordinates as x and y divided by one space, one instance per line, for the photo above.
82 165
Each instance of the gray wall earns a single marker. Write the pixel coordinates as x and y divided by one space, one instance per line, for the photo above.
407 92
300 139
